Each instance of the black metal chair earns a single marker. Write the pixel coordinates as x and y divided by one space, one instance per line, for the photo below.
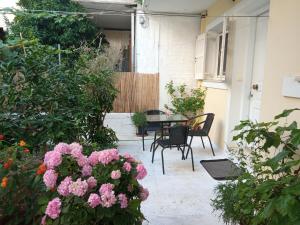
178 136
152 126
204 131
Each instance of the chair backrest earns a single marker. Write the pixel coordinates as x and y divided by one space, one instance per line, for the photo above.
179 135
154 112
208 122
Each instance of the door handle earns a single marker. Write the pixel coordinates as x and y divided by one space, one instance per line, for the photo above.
255 87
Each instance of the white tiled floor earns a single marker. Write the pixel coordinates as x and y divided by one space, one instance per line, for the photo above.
181 196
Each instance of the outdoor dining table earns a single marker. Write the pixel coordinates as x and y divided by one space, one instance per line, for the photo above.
165 119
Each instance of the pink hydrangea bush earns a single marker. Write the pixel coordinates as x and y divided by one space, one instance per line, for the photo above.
101 188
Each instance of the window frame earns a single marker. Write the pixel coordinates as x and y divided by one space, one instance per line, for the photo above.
220 28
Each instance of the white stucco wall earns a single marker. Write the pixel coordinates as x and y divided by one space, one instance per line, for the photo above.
166 45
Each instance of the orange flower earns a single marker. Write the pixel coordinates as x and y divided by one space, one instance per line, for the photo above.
26 150
2 137
42 169
4 182
22 143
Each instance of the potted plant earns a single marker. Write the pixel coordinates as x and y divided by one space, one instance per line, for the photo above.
268 192
140 121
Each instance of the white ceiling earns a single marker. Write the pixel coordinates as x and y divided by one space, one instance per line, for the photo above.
178 6
119 10
115 18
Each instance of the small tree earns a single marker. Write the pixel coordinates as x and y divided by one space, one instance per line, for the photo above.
99 93
185 102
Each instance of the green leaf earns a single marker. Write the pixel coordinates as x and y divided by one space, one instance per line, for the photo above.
285 113
43 200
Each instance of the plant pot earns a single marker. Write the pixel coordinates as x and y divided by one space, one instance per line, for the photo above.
139 131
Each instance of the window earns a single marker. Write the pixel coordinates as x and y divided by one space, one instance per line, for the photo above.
221 63
211 53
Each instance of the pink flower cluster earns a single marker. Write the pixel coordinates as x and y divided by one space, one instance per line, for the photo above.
127 166
128 157
141 172
123 200
53 208
50 178
79 187
115 174
92 182
84 183
63 188
107 195
106 188
63 148
94 158
86 170
144 193
107 156
94 200
52 159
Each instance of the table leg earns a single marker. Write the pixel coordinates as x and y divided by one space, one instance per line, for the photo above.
143 135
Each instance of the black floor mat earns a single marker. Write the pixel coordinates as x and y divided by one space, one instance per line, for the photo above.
221 169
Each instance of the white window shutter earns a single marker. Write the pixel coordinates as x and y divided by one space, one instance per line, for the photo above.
200 57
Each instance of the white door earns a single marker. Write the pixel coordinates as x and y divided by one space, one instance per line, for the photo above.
258 67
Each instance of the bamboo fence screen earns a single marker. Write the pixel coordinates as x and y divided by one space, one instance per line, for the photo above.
137 92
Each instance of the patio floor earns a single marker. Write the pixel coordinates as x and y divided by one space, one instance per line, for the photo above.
181 196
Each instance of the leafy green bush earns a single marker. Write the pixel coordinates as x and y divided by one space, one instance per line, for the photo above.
54 28
268 192
39 98
185 102
45 103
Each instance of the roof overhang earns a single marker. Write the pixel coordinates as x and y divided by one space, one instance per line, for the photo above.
178 6
107 14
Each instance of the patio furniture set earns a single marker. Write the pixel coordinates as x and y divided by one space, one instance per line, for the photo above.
173 131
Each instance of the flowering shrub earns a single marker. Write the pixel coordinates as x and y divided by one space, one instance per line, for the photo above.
101 188
20 187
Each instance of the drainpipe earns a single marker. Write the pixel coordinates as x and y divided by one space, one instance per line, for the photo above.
133 64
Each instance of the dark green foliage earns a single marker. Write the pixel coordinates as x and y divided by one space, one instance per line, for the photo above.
185 102
45 103
268 193
66 29
98 95
139 119
39 98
